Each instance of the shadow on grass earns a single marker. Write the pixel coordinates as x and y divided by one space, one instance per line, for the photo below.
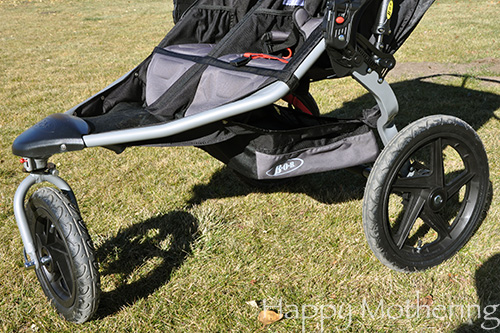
417 98
328 187
422 97
141 258
488 291
487 278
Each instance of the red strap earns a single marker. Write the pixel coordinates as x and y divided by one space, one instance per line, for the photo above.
289 55
297 103
265 56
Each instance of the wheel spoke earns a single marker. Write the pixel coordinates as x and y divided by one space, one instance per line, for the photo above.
58 248
52 236
437 163
414 207
410 184
436 222
65 279
41 230
458 183
61 264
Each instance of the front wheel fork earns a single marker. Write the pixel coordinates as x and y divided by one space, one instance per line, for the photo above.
50 175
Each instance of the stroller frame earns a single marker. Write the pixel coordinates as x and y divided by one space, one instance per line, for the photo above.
421 186
379 88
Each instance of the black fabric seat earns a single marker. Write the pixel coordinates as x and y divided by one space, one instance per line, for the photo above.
122 116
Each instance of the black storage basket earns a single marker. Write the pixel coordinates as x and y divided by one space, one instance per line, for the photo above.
277 142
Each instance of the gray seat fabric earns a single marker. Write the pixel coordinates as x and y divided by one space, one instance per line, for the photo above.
199 50
164 70
305 22
217 86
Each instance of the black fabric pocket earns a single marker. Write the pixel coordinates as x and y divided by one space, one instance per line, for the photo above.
287 144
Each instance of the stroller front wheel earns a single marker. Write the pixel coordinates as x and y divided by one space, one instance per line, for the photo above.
426 193
68 274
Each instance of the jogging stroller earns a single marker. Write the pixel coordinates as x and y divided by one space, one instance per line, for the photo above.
213 82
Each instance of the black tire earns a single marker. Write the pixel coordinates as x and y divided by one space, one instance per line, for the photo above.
426 194
70 279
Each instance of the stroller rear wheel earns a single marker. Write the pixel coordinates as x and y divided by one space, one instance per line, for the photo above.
68 271
426 193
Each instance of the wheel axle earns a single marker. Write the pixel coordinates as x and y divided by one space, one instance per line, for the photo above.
437 200
46 260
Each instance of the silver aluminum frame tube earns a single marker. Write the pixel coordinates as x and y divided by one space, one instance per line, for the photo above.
20 213
386 101
262 97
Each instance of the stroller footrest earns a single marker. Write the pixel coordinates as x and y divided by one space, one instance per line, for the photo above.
57 133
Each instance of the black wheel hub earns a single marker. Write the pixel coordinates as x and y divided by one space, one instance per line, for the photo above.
46 259
437 199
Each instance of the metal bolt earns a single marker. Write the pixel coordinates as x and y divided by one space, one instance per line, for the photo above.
54 172
380 80
29 264
419 245
63 147
51 168
438 200
45 260
341 38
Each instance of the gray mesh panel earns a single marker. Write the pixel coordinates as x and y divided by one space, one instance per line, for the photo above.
220 86
163 71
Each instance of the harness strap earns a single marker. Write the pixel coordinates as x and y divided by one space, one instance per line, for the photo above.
267 56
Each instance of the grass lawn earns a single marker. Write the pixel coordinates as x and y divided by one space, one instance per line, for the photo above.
183 245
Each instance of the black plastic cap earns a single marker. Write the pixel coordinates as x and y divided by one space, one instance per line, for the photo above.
58 133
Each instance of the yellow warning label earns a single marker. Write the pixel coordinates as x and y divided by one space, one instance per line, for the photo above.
389 9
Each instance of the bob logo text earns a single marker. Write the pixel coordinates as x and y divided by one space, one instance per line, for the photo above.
282 169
